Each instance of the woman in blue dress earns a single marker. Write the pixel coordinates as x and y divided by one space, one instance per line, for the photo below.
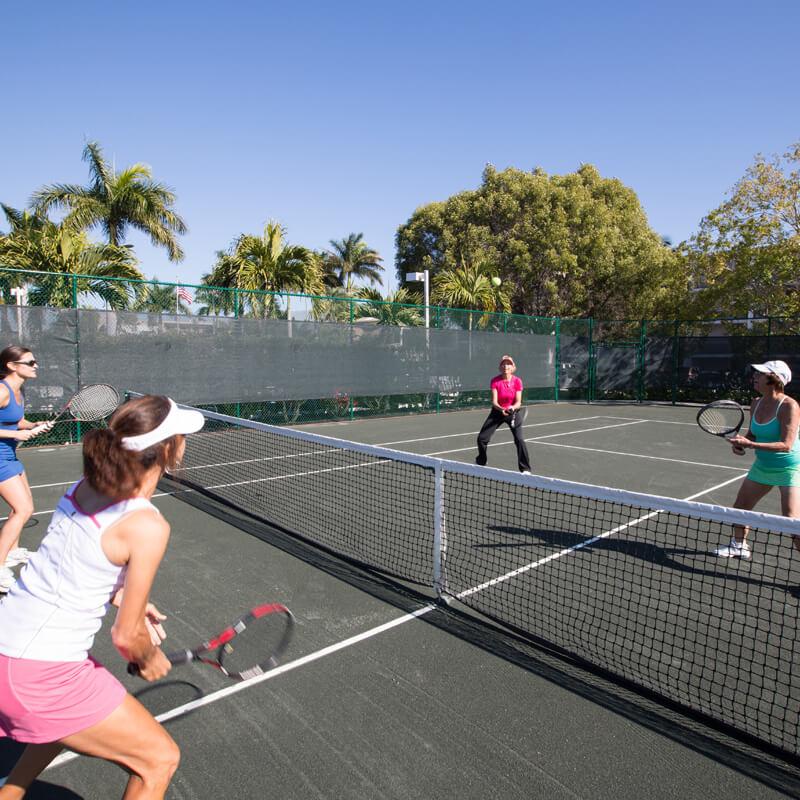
17 365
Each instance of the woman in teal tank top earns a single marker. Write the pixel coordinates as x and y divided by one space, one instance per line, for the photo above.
773 436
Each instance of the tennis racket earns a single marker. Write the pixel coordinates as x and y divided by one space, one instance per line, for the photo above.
518 416
90 403
721 418
246 648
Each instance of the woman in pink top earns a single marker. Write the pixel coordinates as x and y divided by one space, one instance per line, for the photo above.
506 399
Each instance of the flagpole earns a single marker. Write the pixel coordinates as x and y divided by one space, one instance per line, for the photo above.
177 295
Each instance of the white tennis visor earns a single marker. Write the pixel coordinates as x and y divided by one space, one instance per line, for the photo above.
178 420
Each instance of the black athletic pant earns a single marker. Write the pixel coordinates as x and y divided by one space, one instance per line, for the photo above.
493 422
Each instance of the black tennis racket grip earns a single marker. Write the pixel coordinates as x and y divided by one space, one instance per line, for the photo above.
176 658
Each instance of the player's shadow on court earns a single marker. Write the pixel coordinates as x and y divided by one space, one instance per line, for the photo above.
166 695
663 557
40 789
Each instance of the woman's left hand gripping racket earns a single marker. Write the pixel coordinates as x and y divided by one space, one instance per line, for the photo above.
721 418
518 416
248 647
90 403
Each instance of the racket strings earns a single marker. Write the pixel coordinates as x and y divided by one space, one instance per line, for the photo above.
720 420
258 644
94 403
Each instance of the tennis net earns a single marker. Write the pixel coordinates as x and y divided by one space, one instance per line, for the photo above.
624 581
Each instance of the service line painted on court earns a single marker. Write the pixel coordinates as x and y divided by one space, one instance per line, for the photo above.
528 426
220 694
659 421
472 432
581 545
540 439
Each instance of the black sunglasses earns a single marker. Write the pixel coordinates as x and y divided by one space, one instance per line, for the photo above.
31 363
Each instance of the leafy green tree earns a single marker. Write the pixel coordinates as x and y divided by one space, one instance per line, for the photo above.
745 258
38 244
117 201
335 306
569 245
214 301
398 308
266 263
352 258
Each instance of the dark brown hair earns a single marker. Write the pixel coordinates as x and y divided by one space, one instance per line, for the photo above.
13 352
774 380
109 467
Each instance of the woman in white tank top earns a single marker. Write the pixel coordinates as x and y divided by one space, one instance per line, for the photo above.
103 546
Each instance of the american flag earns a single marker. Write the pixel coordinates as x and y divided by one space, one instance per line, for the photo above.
183 294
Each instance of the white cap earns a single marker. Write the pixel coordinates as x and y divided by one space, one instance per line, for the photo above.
778 368
178 420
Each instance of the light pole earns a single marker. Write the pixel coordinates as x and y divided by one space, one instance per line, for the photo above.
21 296
425 278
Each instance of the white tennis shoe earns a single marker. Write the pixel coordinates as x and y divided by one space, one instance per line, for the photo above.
7 579
19 555
734 549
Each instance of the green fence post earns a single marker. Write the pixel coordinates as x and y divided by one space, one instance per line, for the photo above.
641 361
236 303
590 387
78 431
675 354
558 358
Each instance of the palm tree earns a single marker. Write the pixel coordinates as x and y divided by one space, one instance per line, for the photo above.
116 201
471 285
17 247
266 263
38 244
215 300
335 306
399 308
352 258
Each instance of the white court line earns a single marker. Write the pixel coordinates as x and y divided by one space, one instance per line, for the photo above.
51 510
627 420
659 421
441 453
472 432
220 694
639 455
49 485
381 444
537 438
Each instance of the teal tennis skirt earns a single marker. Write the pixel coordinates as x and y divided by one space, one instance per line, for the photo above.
775 476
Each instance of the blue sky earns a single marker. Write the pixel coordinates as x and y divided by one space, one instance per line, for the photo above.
344 117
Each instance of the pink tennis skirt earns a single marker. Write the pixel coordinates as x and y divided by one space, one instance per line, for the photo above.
44 701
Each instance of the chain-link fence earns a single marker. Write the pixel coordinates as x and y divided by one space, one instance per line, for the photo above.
288 358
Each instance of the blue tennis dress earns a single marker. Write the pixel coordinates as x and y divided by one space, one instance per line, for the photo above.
10 416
